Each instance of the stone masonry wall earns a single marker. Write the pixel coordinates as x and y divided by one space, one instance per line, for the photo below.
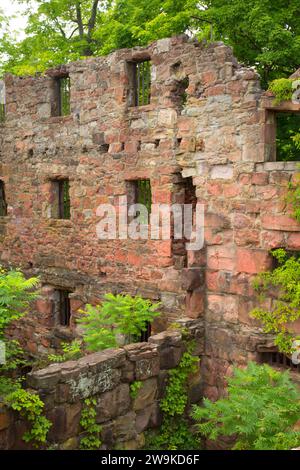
105 376
221 137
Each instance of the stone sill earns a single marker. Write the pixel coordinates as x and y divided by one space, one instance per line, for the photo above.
136 110
57 119
60 222
285 106
277 166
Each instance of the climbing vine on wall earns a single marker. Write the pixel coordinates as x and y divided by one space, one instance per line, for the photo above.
175 432
30 407
284 283
293 196
91 430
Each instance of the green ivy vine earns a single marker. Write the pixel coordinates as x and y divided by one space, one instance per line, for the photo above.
175 432
284 280
91 430
30 407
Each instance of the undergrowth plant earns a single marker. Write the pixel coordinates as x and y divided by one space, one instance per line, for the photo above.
175 432
118 315
91 430
285 281
260 411
293 195
30 406
134 388
282 88
71 351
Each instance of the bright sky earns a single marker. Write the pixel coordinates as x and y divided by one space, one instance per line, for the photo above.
15 12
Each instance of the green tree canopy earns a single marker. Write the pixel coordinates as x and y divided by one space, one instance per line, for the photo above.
263 33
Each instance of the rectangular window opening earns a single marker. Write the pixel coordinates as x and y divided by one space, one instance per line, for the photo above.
140 77
2 112
3 205
139 192
62 307
145 335
61 206
279 360
62 96
282 136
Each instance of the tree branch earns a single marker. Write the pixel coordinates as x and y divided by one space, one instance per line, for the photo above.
92 20
79 19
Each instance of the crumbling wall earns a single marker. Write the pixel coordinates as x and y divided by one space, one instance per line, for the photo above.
105 376
208 121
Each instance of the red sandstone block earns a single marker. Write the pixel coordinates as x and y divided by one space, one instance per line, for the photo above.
136 260
212 278
194 304
260 178
115 147
216 90
252 261
280 222
162 197
132 146
215 189
208 78
231 190
293 241
272 239
164 248
221 257
44 306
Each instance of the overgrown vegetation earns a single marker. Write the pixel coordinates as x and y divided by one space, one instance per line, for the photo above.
30 406
134 388
91 430
293 195
119 315
284 282
71 351
262 34
282 88
16 294
260 412
175 432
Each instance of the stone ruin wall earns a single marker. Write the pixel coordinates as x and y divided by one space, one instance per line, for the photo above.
105 376
221 138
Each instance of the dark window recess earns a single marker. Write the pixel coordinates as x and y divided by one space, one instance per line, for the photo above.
2 112
277 359
64 308
287 126
145 335
3 205
139 192
61 202
141 83
63 92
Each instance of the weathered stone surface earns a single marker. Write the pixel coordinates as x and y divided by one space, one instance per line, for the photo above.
113 403
217 149
146 394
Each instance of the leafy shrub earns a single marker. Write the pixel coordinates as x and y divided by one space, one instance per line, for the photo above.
293 196
134 388
71 351
175 432
91 439
16 293
118 315
261 410
286 307
30 407
282 88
